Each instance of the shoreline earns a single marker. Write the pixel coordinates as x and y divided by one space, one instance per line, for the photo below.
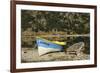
31 55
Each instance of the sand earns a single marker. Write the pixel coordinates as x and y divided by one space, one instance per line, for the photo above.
31 55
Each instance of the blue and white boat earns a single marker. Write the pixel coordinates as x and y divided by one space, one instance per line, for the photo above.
46 46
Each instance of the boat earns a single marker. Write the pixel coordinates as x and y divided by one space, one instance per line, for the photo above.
46 46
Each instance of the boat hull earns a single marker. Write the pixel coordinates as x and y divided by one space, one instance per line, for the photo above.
45 46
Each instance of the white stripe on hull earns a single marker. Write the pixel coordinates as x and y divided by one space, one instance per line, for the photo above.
43 50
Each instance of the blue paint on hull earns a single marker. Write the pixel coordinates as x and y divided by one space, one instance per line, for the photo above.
46 44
